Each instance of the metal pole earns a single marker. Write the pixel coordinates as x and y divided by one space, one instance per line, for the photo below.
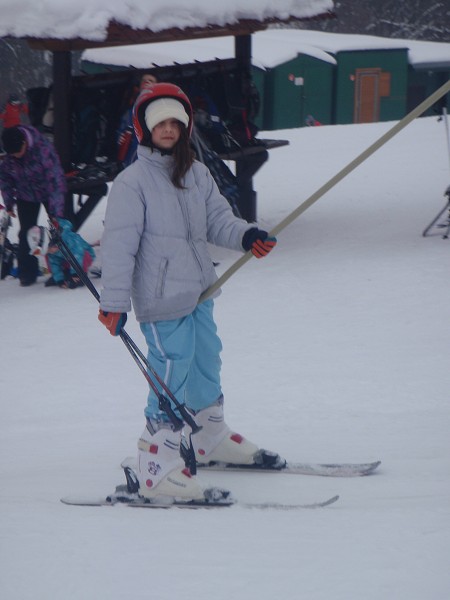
416 112
445 117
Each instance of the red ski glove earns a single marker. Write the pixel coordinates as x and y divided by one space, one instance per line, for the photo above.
113 321
258 241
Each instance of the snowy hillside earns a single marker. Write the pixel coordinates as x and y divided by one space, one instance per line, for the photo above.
336 348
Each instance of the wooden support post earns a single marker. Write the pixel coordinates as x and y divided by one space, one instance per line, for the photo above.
62 139
247 196
61 98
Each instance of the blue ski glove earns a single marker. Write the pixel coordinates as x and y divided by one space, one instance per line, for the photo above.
113 321
258 241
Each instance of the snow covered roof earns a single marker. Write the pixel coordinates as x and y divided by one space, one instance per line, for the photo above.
101 21
269 49
419 52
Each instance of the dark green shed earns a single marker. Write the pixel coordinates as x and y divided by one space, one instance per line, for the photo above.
296 93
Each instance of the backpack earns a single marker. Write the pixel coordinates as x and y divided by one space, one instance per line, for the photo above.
243 104
209 122
224 178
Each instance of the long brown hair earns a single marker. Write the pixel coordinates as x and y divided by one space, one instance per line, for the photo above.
183 157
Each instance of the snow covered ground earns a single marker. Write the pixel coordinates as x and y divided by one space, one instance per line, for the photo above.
335 349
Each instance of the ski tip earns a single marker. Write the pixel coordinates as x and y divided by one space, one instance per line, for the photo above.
281 506
345 469
331 500
371 467
84 501
322 504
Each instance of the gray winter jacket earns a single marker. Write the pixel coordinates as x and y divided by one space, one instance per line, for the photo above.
154 246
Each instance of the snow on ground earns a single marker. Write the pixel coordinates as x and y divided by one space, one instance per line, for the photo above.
335 349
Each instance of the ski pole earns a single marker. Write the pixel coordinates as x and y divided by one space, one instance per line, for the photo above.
416 112
445 117
139 358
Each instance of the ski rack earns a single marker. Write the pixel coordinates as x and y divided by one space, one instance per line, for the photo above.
437 222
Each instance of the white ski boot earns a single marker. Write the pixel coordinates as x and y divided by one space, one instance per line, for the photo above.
160 469
216 442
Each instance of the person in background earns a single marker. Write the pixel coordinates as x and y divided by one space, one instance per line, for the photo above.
30 175
127 142
162 211
63 274
13 112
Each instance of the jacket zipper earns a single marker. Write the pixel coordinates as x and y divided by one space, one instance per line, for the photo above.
189 236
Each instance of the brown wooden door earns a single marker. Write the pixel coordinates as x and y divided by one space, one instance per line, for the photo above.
367 96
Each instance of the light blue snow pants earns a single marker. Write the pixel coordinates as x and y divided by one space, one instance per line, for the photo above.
186 355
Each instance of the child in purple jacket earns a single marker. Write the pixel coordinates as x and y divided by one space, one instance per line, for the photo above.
30 175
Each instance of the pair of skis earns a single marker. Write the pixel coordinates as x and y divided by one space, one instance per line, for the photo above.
219 498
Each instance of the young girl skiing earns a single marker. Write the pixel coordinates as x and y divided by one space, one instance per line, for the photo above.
162 210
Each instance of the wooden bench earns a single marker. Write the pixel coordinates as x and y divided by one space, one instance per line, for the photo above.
85 189
249 159
262 144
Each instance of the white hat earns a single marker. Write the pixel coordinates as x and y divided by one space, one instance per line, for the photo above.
165 108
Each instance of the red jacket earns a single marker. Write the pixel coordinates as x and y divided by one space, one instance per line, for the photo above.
12 113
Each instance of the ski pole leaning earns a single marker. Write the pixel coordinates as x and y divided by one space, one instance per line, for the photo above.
139 358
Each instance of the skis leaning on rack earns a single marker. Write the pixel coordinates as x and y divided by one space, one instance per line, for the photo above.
214 497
